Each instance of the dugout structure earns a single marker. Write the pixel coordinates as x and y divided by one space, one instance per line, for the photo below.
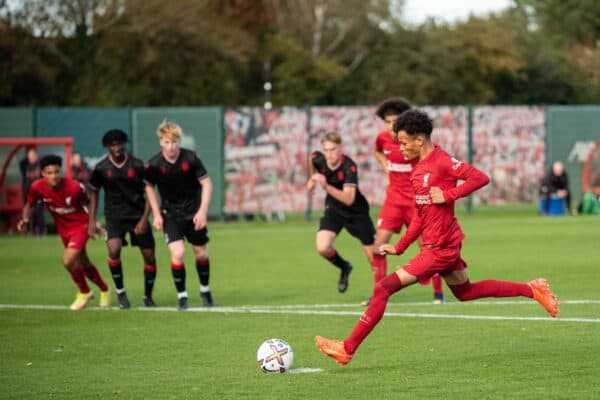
11 192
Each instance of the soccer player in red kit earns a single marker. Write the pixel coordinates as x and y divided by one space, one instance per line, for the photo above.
66 200
399 204
434 181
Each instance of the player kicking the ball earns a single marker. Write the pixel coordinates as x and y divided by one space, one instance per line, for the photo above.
434 181
66 200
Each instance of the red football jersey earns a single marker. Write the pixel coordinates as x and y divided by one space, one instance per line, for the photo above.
436 222
399 191
66 202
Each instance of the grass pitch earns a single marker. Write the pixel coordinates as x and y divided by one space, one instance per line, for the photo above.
268 281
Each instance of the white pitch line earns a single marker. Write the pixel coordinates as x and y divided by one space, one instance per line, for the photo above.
304 370
272 310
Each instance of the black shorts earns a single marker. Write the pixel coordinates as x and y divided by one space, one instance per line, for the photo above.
119 227
176 229
359 225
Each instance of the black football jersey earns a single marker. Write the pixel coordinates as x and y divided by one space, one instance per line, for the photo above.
345 174
178 182
123 186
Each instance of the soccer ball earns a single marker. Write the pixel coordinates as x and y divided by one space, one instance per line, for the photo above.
275 355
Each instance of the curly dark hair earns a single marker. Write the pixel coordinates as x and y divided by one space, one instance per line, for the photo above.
114 135
414 122
392 106
50 160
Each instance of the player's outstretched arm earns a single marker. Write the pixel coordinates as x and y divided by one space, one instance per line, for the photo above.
415 228
93 206
473 179
201 214
23 224
157 221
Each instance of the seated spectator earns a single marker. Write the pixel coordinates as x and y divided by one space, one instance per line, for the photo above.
556 184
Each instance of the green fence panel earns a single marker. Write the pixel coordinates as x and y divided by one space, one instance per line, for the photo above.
202 132
16 122
86 126
571 133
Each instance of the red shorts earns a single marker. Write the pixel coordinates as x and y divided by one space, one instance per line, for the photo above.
435 261
394 218
75 239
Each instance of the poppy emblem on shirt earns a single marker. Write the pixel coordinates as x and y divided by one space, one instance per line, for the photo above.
341 175
185 166
353 168
163 170
109 173
130 173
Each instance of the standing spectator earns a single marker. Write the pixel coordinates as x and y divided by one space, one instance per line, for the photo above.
126 211
185 190
66 200
345 205
30 172
81 171
399 204
556 184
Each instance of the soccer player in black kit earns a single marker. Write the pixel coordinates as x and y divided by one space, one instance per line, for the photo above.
126 211
345 205
185 190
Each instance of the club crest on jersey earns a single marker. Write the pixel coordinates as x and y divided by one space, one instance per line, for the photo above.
68 200
426 179
130 173
341 175
185 166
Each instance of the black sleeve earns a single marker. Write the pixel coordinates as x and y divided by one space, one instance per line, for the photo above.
318 160
96 178
350 172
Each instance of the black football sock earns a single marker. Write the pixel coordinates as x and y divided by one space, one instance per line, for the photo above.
178 272
116 270
203 269
149 278
336 260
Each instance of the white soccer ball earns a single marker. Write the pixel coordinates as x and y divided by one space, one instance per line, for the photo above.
275 355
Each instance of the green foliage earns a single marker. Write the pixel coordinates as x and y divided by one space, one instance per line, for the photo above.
299 78
325 52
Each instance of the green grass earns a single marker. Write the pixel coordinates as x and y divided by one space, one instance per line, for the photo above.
137 354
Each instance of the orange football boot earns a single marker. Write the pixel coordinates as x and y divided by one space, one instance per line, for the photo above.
543 295
334 349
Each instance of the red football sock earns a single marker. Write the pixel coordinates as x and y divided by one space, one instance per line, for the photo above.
78 277
436 281
382 292
93 275
379 267
490 288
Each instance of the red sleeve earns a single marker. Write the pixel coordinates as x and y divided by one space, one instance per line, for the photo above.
412 233
472 177
32 195
379 143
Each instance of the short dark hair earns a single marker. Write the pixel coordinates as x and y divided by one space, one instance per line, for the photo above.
50 160
414 122
114 135
392 106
